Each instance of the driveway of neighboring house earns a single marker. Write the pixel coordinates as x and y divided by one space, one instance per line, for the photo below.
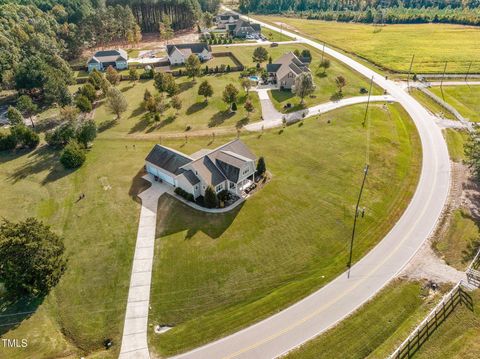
134 340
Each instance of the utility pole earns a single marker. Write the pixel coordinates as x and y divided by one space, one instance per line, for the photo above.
468 71
349 265
368 102
409 72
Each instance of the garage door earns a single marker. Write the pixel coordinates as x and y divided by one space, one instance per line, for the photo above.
163 176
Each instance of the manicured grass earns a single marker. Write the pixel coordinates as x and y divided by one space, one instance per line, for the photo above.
457 337
465 99
431 105
376 328
456 140
195 112
89 303
392 46
461 242
274 36
326 89
214 274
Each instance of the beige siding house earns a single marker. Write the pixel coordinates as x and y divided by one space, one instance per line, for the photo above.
285 70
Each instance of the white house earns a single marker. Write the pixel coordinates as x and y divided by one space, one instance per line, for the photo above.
285 70
179 53
101 60
226 18
229 167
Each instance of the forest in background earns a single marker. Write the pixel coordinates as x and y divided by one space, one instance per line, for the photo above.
465 12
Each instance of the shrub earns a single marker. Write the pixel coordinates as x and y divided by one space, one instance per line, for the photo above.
234 106
83 103
72 156
28 138
223 195
7 142
261 167
229 68
181 192
211 200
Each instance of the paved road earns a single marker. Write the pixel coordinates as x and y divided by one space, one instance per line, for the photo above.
134 339
311 316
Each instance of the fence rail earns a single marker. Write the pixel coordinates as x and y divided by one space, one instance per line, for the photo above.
457 296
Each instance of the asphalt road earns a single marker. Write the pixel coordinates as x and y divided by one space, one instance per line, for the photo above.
316 313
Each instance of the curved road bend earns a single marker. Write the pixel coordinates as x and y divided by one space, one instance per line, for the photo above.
321 310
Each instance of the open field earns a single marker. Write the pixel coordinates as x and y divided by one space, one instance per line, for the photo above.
274 36
431 105
89 303
465 99
375 329
214 274
326 88
392 46
457 337
460 241
195 112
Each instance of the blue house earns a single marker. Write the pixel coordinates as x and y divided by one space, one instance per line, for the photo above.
101 60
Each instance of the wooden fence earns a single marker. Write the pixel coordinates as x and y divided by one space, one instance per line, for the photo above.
457 296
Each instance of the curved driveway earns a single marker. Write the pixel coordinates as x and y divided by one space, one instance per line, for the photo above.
316 313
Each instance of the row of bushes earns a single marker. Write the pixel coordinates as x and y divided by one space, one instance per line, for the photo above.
181 192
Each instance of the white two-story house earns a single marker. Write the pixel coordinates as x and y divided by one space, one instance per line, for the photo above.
229 167
179 53
226 18
101 60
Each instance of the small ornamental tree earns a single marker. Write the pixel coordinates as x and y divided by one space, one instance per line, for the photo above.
325 65
230 94
160 105
86 132
261 167
116 101
146 95
210 199
192 66
133 75
249 107
61 135
260 55
234 107
14 116
247 84
73 156
304 85
88 91
33 257
341 83
205 90
176 103
112 75
306 54
83 103
26 106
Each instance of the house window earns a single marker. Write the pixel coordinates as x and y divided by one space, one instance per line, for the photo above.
232 185
245 171
218 188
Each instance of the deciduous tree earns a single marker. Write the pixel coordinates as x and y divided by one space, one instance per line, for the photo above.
116 101
205 90
192 66
260 55
230 95
304 85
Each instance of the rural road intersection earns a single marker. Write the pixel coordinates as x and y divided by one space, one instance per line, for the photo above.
321 310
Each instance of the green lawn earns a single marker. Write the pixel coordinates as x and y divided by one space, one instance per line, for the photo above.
214 274
456 140
457 337
326 89
274 36
465 99
195 112
376 328
392 46
431 105
89 303
461 241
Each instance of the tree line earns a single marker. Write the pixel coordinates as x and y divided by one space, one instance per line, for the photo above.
391 12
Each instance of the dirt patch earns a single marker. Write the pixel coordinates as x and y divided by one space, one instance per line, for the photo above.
464 194
286 26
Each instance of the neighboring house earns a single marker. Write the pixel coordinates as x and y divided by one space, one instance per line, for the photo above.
102 59
178 54
243 29
229 167
226 18
285 70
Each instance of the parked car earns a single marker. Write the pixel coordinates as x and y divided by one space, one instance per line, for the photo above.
273 44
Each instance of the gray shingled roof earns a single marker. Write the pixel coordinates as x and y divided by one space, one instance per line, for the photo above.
195 48
108 56
190 176
207 170
167 159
